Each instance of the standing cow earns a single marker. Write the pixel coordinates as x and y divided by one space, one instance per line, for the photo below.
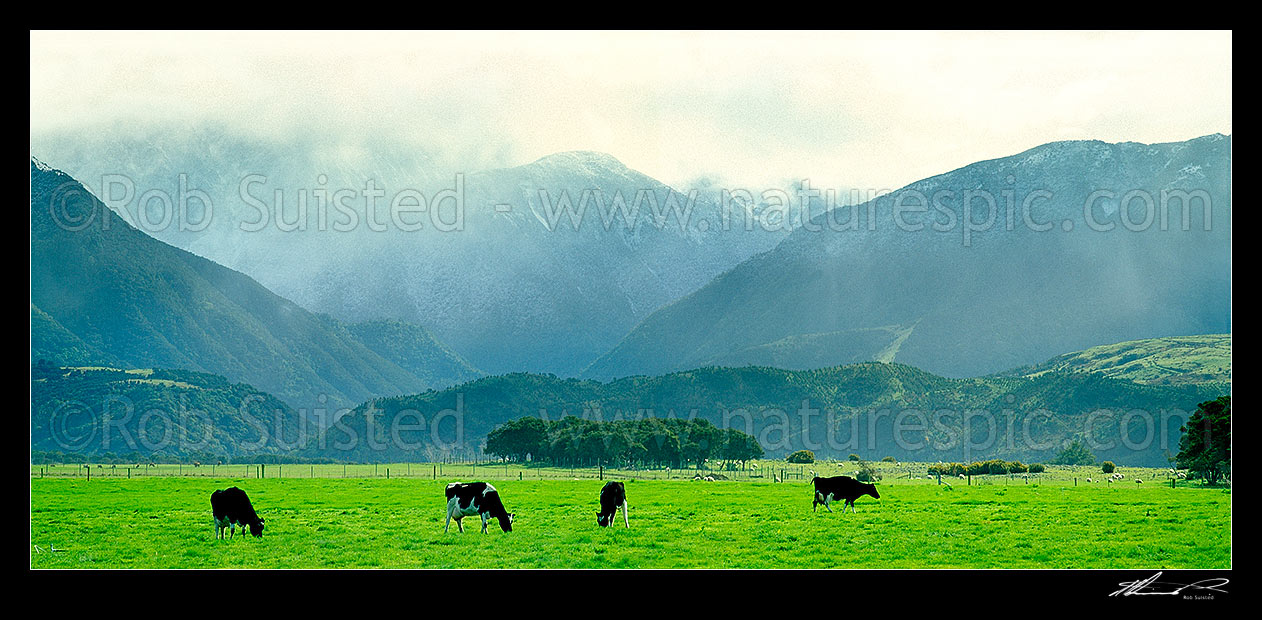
476 498
612 497
840 487
232 507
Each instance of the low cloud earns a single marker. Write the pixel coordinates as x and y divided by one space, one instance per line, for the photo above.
869 109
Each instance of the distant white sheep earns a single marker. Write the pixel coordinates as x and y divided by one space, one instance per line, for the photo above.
1139 481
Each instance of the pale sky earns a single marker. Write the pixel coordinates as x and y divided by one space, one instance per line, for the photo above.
748 109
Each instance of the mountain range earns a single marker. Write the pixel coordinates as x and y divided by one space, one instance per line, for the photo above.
552 263
903 278
396 317
106 293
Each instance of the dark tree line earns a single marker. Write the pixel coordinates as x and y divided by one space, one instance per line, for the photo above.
651 442
983 468
1205 448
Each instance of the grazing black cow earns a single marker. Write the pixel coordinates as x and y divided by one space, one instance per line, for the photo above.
232 507
840 487
476 498
612 497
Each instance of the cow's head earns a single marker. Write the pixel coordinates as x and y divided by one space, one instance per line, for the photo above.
603 519
506 522
256 528
871 490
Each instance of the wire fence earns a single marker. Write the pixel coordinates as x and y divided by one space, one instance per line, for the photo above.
447 470
761 471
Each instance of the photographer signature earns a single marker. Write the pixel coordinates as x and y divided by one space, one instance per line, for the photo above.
1152 586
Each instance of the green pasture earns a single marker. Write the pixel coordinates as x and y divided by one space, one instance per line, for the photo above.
997 522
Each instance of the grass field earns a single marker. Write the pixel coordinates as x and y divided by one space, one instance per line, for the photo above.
165 522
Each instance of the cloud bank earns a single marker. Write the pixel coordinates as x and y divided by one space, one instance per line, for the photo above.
749 109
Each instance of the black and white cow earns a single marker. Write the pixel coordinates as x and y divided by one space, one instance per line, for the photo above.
840 487
476 498
232 507
612 497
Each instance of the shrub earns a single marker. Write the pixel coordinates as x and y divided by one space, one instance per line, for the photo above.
855 457
947 469
801 456
1107 467
1037 468
866 473
1076 453
889 459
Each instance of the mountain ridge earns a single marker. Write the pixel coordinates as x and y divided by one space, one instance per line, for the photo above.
144 303
840 278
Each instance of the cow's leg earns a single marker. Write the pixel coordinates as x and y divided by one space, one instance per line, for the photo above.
483 515
460 524
828 500
233 525
447 526
625 518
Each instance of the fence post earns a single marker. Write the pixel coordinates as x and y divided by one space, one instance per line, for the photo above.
602 471
435 472
387 473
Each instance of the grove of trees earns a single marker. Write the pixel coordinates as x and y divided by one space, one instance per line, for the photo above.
982 468
651 442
